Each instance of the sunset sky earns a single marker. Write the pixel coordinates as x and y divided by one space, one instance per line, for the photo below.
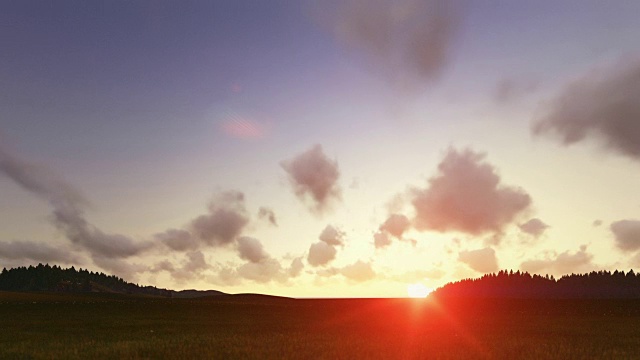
320 148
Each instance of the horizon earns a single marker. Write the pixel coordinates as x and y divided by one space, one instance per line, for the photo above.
587 290
320 148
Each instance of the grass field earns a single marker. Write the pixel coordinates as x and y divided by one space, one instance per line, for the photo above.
48 326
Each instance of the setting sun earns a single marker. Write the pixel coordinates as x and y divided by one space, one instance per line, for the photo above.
417 290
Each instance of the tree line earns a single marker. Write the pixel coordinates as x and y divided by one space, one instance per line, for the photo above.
56 279
510 284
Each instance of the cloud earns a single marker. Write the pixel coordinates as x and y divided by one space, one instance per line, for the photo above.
332 236
264 271
467 196
195 262
324 251
67 209
481 260
596 223
81 232
626 234
359 271
226 219
268 215
119 267
562 263
178 239
193 266
396 225
226 275
408 42
241 127
314 176
251 249
381 240
40 181
509 90
534 227
296 267
601 106
29 250
164 265
321 253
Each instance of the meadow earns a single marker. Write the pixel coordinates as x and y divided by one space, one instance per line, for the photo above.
85 326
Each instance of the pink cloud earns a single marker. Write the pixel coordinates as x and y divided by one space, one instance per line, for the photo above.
239 127
467 196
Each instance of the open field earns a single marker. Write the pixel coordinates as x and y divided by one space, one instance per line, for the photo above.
45 326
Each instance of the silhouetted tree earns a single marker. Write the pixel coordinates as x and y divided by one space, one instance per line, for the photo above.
600 284
48 278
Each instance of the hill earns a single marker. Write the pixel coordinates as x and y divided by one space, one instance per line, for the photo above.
593 285
46 278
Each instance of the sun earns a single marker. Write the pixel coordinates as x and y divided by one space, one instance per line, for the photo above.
417 290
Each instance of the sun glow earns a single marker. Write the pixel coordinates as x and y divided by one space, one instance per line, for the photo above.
417 290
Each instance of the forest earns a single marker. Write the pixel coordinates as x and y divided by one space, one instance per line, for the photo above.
510 284
48 278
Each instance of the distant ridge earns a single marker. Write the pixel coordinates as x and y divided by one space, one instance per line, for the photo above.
593 285
46 278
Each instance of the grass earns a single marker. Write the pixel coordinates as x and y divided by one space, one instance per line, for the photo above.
49 326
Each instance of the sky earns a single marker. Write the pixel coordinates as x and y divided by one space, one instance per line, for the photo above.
320 148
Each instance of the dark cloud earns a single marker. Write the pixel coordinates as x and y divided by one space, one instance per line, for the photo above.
467 196
481 260
332 236
626 234
251 249
321 253
563 263
67 209
226 219
408 41
178 239
313 175
603 105
534 227
40 252
597 223
359 271
268 215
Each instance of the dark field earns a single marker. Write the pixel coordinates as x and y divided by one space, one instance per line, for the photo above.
43 326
